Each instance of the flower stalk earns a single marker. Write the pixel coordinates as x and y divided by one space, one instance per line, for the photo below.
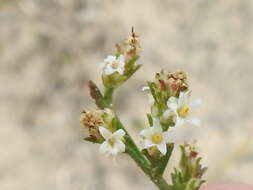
170 107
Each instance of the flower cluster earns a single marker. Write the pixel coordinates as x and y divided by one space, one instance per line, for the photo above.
102 129
170 107
169 99
119 67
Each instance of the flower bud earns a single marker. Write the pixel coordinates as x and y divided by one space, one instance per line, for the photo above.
190 159
189 173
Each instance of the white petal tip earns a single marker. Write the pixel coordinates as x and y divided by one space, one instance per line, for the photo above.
145 88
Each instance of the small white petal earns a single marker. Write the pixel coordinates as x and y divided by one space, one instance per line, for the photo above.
110 59
147 143
114 151
179 121
109 71
172 100
183 98
193 121
105 133
104 147
121 59
157 129
120 146
145 88
174 134
168 113
162 148
173 106
146 132
156 121
119 133
167 136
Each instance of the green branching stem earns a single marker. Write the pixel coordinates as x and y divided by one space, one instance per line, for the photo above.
153 170
133 151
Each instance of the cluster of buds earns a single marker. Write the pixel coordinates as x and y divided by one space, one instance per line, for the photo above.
170 108
117 68
189 173
172 83
169 99
92 120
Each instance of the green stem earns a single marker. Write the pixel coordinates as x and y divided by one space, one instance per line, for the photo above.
161 183
108 96
136 155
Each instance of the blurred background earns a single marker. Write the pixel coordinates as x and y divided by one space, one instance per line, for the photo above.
49 49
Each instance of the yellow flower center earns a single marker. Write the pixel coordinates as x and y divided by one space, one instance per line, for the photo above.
111 141
183 111
157 138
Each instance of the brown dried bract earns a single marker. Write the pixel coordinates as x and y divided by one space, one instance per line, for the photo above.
90 120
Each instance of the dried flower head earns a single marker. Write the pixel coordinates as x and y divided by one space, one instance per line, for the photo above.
132 44
172 82
91 120
178 81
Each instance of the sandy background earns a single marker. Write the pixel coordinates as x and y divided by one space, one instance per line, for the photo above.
50 48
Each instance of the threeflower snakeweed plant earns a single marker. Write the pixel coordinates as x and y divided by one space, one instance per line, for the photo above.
171 108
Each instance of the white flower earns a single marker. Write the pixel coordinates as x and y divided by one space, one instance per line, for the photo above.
113 64
154 136
113 141
180 109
